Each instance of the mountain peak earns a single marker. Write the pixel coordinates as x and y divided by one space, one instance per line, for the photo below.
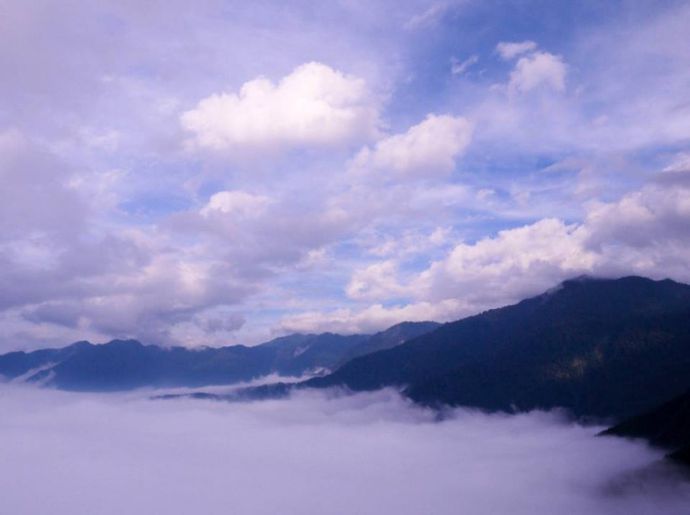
125 344
82 344
626 279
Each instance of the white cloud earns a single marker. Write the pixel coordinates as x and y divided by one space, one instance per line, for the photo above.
427 150
646 231
510 50
473 277
428 18
679 163
410 242
315 453
373 318
314 105
235 203
538 69
375 282
513 264
145 300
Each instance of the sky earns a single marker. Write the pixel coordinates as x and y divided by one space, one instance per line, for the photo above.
217 172
315 453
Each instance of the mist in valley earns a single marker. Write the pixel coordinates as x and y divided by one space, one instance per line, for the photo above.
314 453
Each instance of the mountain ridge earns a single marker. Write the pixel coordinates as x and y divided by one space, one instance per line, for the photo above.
123 364
557 349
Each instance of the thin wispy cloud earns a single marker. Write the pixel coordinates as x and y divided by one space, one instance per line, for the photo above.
458 67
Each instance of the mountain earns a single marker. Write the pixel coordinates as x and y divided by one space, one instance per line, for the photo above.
127 364
666 426
599 347
298 354
391 337
17 364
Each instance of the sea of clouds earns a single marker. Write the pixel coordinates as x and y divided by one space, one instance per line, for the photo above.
314 453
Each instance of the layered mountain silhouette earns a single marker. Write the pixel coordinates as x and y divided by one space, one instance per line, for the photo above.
600 348
615 349
127 364
298 354
597 347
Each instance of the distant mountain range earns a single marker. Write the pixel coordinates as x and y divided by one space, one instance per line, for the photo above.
127 364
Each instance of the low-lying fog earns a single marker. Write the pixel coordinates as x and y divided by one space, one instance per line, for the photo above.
316 453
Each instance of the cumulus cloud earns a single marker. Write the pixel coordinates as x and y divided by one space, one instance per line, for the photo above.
45 253
536 70
146 302
645 232
59 270
256 233
314 453
510 50
312 106
235 203
470 278
514 263
426 150
375 281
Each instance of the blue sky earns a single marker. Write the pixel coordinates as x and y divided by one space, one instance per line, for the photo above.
220 172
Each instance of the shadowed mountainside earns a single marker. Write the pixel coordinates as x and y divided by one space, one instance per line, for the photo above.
667 426
602 348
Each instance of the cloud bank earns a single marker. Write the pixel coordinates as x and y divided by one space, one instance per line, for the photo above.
315 453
